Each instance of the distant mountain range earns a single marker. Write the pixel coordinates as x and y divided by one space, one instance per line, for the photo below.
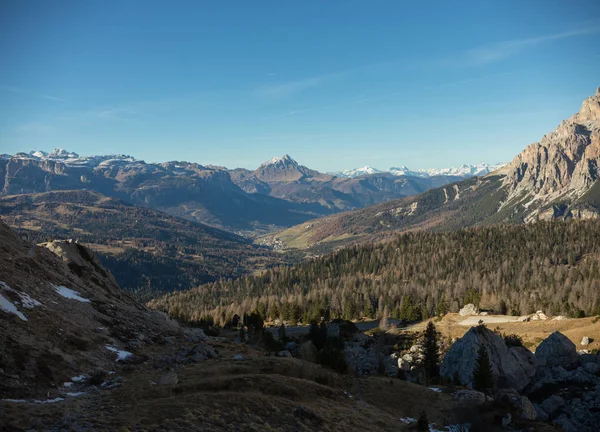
461 171
279 193
555 178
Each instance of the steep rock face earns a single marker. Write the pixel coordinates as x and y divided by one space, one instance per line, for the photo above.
565 161
61 314
511 368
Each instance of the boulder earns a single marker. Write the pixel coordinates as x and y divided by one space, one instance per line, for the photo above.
308 352
553 404
468 309
556 350
559 318
520 404
585 341
469 397
390 365
539 316
361 360
510 368
404 365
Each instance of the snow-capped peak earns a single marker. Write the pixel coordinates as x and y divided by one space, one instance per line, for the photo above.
285 160
59 153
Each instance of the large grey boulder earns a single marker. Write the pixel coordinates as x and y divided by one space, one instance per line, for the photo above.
557 350
511 368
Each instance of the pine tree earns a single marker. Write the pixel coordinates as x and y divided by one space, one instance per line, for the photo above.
431 356
483 378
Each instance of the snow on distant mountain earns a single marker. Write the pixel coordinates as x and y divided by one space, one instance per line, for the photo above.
72 159
462 171
280 162
357 172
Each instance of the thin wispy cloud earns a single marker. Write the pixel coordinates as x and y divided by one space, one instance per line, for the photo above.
286 89
503 50
29 93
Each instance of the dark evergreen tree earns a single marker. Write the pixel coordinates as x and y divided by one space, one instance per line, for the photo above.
483 378
431 356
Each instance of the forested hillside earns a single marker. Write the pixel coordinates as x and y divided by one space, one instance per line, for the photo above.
514 269
148 251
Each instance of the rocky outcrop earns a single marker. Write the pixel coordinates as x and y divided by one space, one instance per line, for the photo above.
511 368
556 350
468 310
64 315
564 162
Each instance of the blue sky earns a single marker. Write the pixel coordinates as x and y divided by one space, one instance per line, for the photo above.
336 84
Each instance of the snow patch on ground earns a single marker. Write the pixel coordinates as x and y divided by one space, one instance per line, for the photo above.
25 299
70 294
121 355
67 384
75 394
35 401
435 389
78 378
408 420
7 306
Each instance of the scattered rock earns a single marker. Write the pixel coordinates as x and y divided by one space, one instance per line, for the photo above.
585 341
553 404
539 316
284 353
169 379
468 309
521 404
559 318
556 350
469 397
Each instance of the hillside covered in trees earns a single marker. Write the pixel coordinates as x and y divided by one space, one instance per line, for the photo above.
553 266
148 251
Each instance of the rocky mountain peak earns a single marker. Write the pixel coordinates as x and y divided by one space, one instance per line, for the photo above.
564 163
280 162
590 109
283 168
